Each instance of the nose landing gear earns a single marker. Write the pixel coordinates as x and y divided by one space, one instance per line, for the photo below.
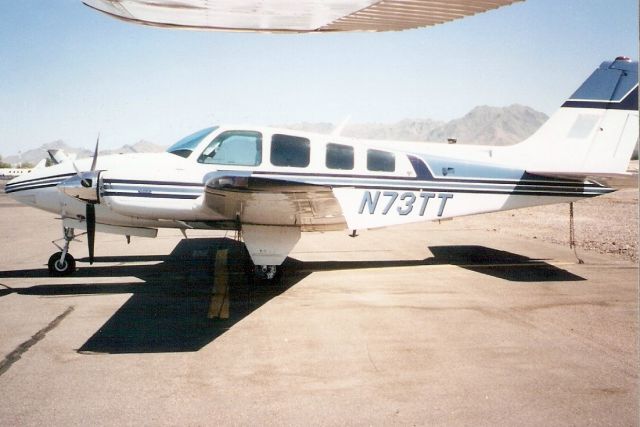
62 263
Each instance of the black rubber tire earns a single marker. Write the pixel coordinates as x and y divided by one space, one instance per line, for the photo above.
261 275
68 267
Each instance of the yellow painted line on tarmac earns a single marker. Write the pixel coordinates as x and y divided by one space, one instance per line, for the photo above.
219 306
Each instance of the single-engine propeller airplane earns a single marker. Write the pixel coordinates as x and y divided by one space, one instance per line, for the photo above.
272 184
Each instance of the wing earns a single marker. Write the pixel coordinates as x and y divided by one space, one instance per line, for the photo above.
294 16
266 201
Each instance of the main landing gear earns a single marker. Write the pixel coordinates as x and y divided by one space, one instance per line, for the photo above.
266 272
62 263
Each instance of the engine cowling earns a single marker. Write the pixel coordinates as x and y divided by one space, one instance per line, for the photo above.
83 187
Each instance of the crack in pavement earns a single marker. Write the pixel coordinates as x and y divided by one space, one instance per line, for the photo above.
16 354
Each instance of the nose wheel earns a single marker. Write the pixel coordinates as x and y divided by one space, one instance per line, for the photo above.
63 263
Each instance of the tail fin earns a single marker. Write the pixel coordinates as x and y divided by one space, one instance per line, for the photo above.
595 130
42 163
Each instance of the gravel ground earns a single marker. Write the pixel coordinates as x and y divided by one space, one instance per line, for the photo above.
606 224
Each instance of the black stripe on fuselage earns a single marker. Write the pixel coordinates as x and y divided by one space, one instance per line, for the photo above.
532 188
517 192
44 178
21 186
529 179
32 187
542 184
41 178
149 195
149 182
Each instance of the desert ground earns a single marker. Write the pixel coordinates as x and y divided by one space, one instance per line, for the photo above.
482 320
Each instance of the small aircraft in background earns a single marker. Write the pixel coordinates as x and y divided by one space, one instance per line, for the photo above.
8 173
272 184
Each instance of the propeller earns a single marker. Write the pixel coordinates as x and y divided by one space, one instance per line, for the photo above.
90 207
84 187
90 217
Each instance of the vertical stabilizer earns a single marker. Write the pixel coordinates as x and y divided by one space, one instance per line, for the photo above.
595 130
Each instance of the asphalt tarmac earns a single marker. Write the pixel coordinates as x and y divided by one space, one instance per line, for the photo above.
423 324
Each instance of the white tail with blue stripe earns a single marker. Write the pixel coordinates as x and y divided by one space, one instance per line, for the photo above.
593 133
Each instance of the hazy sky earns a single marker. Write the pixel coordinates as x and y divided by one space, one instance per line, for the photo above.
68 72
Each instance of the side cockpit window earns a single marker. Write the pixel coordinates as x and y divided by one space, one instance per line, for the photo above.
292 151
339 157
186 145
242 148
380 161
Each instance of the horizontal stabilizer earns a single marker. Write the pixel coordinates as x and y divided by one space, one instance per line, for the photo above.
613 180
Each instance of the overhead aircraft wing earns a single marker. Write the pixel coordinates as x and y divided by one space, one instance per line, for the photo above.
300 16
258 200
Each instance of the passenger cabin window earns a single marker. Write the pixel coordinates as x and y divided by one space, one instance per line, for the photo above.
234 147
339 157
380 161
287 150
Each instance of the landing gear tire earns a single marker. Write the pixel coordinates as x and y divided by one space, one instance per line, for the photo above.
64 267
265 272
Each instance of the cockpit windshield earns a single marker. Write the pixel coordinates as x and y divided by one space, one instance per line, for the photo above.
186 145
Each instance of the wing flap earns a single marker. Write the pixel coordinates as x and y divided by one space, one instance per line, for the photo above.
268 201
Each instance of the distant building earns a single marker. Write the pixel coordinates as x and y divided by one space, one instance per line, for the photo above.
6 173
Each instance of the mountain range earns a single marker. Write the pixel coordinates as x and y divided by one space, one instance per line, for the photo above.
483 125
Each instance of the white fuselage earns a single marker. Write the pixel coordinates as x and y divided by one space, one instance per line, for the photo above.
167 190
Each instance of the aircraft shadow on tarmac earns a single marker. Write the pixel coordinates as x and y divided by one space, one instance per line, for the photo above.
168 312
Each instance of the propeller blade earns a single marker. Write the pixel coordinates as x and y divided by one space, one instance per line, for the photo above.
91 228
86 182
73 163
95 155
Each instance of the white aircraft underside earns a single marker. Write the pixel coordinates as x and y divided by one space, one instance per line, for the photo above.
293 16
